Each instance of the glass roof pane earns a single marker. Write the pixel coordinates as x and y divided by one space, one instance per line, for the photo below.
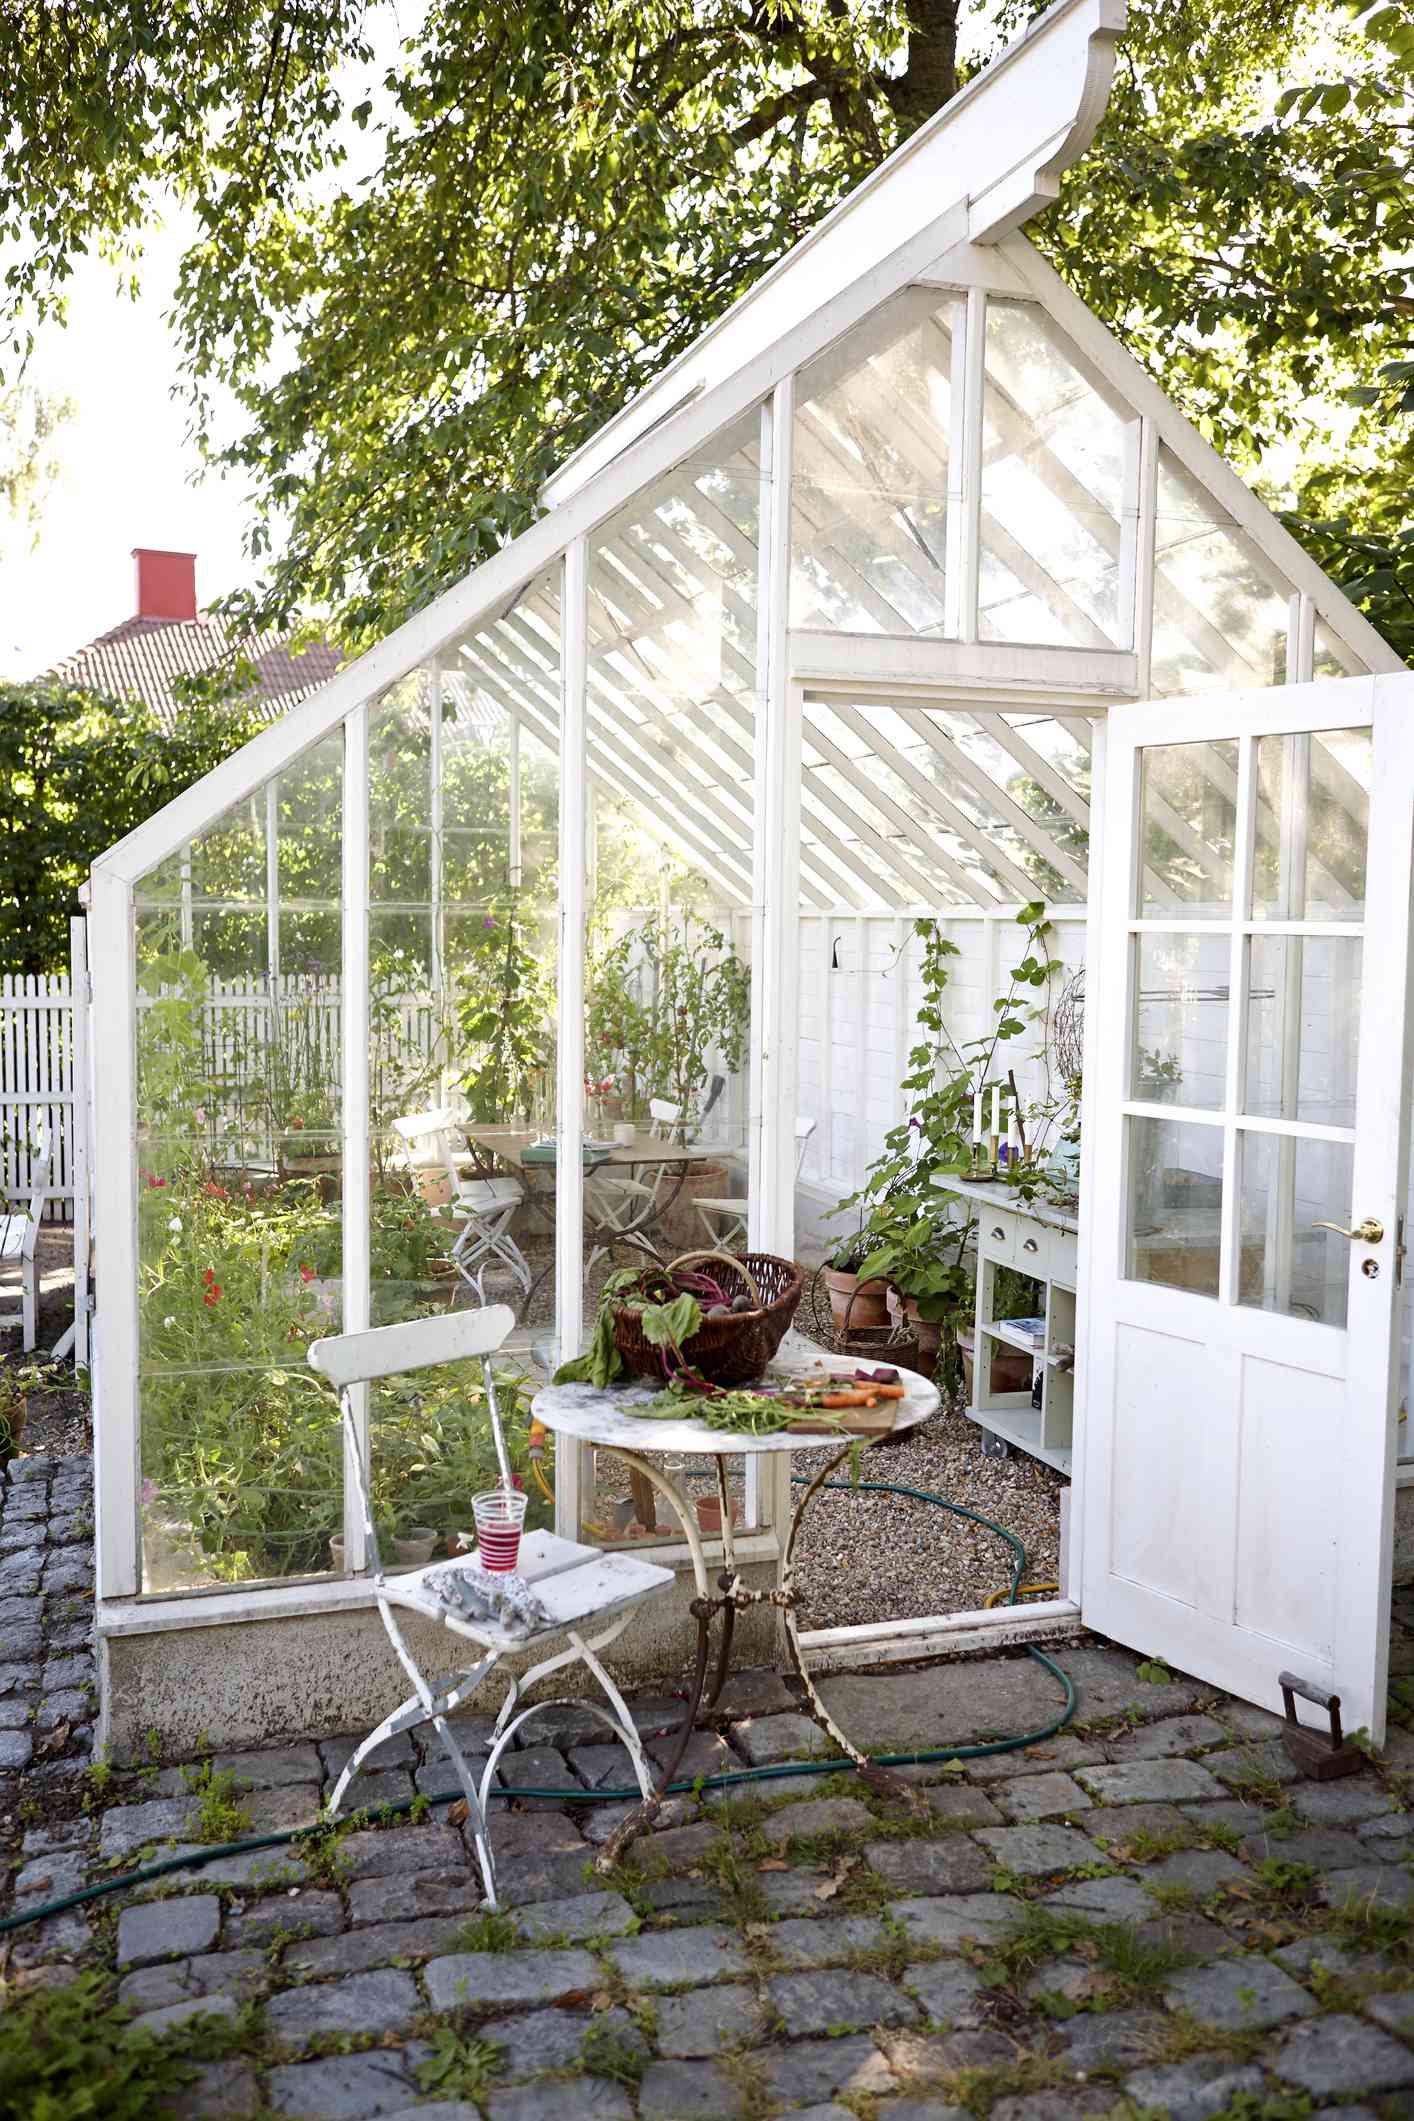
1220 610
1054 448
869 498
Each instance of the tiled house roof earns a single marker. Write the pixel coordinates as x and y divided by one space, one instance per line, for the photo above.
143 656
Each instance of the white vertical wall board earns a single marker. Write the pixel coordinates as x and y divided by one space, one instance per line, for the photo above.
571 1460
115 1407
80 1137
355 1067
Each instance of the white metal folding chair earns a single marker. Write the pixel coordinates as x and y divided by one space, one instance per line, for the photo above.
623 1208
724 1221
485 1207
19 1239
578 1586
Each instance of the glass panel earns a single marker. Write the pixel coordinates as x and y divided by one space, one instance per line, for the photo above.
1175 1204
1181 1020
1287 1265
400 793
869 493
1313 815
671 717
1332 659
1053 457
242 1475
462 1005
1220 609
1303 1027
1188 807
239 1177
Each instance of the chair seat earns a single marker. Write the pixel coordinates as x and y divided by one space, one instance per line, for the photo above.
723 1207
478 1194
572 1594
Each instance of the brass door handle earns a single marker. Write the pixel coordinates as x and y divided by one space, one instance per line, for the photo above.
1368 1232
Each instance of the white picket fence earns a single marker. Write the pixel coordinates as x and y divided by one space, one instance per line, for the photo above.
37 1087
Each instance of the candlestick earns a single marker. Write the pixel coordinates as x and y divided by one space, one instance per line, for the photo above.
1013 1136
996 1113
977 1115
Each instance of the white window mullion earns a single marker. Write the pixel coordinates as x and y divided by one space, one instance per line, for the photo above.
356 1143
115 1193
572 1460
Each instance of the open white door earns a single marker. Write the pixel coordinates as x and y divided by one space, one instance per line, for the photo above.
1249 1088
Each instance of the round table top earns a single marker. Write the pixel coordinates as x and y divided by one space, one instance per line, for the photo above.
605 1416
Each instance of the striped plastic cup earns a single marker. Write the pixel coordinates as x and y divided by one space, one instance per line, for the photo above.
500 1516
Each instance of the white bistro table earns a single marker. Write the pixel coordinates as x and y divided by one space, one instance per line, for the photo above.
607 1418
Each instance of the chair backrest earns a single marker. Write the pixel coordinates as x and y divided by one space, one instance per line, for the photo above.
348 1359
387 1351
38 1195
804 1128
427 1142
664 1115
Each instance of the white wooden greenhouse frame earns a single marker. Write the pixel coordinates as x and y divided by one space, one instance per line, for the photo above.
826 783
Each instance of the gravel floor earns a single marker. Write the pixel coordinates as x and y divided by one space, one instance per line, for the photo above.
874 1557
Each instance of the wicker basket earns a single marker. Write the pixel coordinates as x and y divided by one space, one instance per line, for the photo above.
727 1351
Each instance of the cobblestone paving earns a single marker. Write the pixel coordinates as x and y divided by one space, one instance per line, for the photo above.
1150 1915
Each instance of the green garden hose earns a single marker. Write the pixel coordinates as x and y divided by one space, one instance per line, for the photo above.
730 1779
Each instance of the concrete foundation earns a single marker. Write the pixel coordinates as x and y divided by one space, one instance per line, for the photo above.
315 1674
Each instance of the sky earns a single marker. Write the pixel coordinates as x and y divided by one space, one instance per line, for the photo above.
130 473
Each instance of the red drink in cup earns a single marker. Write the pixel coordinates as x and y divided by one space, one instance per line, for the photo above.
500 1517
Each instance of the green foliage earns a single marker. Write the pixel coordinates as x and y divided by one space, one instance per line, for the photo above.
220 1816
490 1931
663 999
457 2065
61 812
66 2054
507 1013
607 2054
542 206
1154 1672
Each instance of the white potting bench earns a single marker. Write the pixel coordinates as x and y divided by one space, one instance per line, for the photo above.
1040 1241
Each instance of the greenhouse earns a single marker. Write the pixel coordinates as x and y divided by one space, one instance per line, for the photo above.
577 922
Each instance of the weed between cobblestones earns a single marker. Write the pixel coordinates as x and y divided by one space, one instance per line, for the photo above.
605 2053
460 2066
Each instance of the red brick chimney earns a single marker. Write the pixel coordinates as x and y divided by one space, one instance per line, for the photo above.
166 583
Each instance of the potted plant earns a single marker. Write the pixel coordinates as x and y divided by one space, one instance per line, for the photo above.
857 1305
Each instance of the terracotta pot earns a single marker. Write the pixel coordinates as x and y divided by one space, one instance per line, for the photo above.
336 1553
709 1515
928 1332
415 1550
856 1306
1011 1367
680 1224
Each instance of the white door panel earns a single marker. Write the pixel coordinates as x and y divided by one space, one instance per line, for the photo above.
1247 1084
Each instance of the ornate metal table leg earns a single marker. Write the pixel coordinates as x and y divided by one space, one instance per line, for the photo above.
878 1778
726 1582
703 1607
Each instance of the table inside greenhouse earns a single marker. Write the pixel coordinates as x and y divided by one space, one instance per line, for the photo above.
607 1417
610 1218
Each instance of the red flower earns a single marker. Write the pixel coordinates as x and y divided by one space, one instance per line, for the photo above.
215 1192
155 1181
209 1276
306 1273
212 1296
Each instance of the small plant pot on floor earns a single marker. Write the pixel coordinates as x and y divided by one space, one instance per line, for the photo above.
414 1549
928 1332
709 1515
856 1306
